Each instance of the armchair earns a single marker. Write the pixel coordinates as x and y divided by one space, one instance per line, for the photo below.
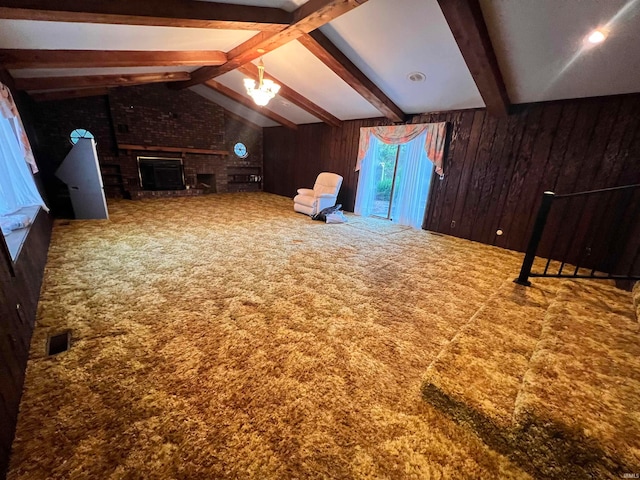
324 194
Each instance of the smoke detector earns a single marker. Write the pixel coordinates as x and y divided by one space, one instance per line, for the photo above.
416 77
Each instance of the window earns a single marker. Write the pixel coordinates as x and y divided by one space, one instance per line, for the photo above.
19 196
79 133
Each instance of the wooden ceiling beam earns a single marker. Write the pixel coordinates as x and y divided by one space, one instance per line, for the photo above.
470 32
294 97
6 78
67 94
318 44
306 18
17 59
235 96
52 83
167 13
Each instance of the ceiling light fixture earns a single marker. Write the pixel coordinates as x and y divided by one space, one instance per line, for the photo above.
264 91
597 36
416 77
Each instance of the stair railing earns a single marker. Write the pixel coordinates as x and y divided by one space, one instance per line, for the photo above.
600 271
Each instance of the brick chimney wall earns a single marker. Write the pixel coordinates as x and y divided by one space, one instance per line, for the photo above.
152 116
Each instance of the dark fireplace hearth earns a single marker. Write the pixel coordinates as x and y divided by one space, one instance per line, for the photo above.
157 173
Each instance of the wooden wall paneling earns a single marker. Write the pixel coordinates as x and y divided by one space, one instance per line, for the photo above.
550 177
568 179
306 157
617 226
10 370
494 177
466 171
631 175
498 192
434 202
586 207
279 160
310 154
344 167
631 172
597 143
624 131
516 214
8 412
338 144
477 176
629 263
514 203
291 169
481 231
30 266
14 361
538 164
452 179
350 152
17 325
578 142
458 143
514 138
620 139
628 239
562 140
330 164
6 438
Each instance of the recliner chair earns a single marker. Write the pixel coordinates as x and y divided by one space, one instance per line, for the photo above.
324 194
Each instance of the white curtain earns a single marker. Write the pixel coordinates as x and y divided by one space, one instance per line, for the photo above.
17 186
412 182
366 191
400 134
413 178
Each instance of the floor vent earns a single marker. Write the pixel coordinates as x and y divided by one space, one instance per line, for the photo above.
58 343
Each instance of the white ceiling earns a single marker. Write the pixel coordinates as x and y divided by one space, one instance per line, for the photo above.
539 45
542 54
234 107
288 5
389 40
234 80
294 65
96 36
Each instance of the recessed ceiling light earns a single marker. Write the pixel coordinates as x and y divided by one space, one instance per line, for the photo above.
597 36
417 77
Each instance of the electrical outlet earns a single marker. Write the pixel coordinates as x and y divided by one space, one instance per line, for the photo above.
453 224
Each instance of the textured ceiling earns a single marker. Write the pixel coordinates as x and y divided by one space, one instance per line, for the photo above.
539 46
543 56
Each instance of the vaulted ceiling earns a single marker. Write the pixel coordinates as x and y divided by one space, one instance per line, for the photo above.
335 59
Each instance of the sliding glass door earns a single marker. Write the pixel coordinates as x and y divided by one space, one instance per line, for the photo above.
411 185
394 181
385 176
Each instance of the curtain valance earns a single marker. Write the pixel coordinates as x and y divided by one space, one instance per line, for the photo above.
395 134
9 111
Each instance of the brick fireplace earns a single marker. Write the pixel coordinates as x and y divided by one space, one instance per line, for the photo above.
153 121
158 173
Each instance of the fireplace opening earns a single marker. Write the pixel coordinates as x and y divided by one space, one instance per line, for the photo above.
159 173
206 181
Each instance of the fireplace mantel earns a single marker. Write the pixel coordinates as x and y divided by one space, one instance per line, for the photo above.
183 150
